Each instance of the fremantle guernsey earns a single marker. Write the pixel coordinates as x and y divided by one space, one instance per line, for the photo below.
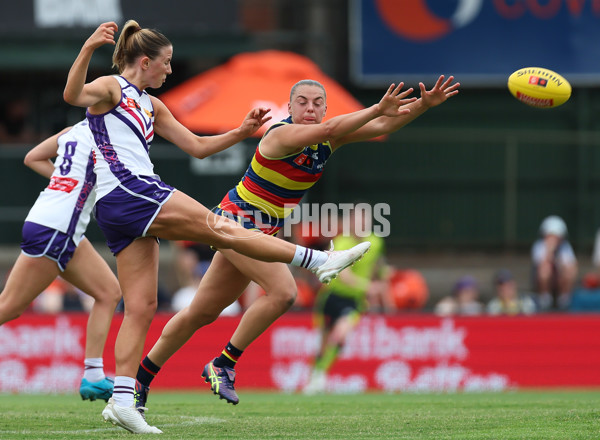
272 187
66 203
122 138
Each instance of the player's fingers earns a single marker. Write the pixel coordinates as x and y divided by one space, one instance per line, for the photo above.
453 87
406 93
398 89
448 82
440 81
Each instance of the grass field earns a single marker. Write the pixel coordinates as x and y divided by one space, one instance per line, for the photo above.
527 415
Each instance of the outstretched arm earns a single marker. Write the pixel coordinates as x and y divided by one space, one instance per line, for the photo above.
441 91
172 130
77 92
289 138
38 158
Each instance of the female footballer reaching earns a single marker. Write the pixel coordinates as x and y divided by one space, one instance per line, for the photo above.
134 207
289 159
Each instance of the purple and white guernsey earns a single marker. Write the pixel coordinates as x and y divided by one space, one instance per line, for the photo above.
122 139
66 203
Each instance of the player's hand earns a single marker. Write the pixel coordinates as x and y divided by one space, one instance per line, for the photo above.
104 34
255 119
441 91
395 98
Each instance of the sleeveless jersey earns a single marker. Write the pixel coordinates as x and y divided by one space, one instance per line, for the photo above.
122 138
66 203
272 187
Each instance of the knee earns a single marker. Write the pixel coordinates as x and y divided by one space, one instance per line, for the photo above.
142 311
544 271
284 296
111 295
114 295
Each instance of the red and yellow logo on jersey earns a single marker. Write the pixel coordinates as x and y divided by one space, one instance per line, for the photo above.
130 102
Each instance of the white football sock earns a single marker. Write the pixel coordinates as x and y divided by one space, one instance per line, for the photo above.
308 258
93 369
123 391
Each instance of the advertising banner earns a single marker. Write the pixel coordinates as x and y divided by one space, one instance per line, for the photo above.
481 42
44 353
27 17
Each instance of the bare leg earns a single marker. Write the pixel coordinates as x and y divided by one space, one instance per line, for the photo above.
222 284
228 275
137 266
280 292
183 218
27 279
566 279
88 271
544 277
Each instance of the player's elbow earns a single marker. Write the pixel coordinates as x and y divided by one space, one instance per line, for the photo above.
201 154
70 97
28 161
67 97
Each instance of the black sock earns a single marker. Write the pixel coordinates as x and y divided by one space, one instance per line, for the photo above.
147 371
229 357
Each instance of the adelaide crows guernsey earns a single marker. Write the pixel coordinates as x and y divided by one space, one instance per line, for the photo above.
272 187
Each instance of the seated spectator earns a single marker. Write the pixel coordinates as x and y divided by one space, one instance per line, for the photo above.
508 301
463 301
191 263
554 265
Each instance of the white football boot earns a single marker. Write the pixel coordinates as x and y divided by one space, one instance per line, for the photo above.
128 418
339 260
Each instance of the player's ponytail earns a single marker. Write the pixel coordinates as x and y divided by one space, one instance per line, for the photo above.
135 42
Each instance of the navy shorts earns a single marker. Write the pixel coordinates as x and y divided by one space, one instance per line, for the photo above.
332 307
41 241
127 212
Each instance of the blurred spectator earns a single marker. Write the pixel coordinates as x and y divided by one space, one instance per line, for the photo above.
406 290
554 265
508 300
191 263
464 300
15 122
61 296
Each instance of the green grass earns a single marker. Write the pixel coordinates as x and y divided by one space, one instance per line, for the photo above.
543 415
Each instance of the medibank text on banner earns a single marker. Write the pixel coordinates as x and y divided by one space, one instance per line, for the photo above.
393 353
